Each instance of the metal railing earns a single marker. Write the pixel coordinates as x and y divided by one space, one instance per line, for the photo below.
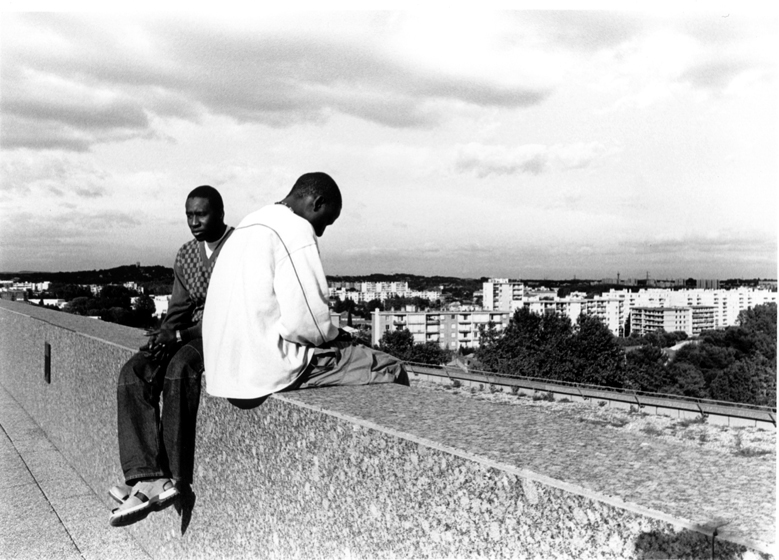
586 391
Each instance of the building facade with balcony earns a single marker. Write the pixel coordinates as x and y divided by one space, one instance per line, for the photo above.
362 292
692 320
500 293
608 310
727 303
450 330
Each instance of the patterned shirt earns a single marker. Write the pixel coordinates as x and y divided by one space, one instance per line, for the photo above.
192 273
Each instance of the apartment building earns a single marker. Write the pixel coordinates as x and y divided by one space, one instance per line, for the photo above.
709 309
451 330
707 284
609 311
361 292
500 293
12 286
727 303
692 320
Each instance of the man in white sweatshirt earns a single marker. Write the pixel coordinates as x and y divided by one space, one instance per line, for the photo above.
266 324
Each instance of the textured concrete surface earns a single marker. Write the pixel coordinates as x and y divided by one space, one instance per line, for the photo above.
388 471
46 509
706 488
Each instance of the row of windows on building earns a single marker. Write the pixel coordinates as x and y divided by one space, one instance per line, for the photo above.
362 292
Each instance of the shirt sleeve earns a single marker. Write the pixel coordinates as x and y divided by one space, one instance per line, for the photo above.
179 306
300 285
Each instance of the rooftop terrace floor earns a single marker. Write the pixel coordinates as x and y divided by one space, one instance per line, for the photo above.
47 512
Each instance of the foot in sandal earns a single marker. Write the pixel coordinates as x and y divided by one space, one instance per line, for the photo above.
120 492
144 496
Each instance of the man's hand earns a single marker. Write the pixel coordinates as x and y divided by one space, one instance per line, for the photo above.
161 344
343 336
362 339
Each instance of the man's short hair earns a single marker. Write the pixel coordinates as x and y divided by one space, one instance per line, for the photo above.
209 193
317 184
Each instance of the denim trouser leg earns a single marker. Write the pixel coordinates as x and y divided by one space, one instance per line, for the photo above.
151 445
180 401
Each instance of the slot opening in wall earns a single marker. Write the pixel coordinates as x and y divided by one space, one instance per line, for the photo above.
47 362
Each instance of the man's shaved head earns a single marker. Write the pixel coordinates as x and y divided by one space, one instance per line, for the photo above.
317 184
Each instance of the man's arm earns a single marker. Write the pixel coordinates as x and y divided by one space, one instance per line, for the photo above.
300 285
177 317
179 306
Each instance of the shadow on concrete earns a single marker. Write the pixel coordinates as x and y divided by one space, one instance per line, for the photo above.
184 505
660 545
247 404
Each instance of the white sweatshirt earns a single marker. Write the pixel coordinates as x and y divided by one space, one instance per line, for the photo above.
266 307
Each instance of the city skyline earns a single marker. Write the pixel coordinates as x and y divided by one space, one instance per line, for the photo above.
524 144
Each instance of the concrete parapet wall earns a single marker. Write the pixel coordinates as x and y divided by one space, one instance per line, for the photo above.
296 480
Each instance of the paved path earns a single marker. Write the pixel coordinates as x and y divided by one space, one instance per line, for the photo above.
46 510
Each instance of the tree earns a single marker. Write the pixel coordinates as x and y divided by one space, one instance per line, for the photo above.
116 296
78 306
760 324
342 305
710 359
68 291
599 360
117 315
688 381
400 343
555 357
143 312
746 381
645 370
761 318
397 343
429 353
512 352
655 338
370 306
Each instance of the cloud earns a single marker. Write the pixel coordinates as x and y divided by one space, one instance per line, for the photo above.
719 244
71 81
588 30
60 175
76 225
485 160
722 255
714 75
35 240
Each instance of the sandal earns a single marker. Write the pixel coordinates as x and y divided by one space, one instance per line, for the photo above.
143 496
120 492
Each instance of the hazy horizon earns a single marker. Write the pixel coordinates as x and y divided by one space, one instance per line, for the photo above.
521 144
403 272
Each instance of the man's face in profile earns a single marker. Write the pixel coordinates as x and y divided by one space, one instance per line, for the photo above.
325 217
204 223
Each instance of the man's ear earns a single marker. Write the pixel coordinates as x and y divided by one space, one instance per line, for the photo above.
319 202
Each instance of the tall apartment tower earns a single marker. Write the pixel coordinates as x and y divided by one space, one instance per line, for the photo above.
500 294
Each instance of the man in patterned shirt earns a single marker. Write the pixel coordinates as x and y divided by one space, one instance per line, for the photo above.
157 450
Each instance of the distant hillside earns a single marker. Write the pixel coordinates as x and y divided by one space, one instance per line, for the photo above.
118 275
415 282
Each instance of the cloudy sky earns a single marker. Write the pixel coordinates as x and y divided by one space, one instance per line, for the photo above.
527 144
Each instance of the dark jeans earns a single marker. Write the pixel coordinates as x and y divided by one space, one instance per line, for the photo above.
154 445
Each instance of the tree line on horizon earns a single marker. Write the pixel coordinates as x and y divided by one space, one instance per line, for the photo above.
113 304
